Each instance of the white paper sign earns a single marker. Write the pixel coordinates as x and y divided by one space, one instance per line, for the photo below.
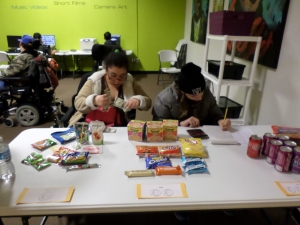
43 195
161 191
289 188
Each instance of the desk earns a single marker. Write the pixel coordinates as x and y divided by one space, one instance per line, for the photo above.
13 53
234 180
76 59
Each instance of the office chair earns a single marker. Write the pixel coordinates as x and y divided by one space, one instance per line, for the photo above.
99 53
4 59
167 56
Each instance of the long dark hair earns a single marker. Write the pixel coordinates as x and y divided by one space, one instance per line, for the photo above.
117 58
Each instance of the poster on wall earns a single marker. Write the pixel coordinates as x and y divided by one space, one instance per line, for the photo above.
270 18
218 5
199 21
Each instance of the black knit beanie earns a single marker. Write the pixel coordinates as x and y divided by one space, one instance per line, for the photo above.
190 80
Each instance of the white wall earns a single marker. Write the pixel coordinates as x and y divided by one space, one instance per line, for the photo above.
276 93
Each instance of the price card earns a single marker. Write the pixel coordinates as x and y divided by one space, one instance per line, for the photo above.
289 188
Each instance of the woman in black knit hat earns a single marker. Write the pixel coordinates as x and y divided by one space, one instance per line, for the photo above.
189 101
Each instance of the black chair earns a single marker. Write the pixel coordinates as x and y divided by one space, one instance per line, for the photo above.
71 111
99 52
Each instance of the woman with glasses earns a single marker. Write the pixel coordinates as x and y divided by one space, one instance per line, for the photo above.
189 101
111 95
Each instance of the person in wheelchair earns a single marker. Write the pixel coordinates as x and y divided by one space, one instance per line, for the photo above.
20 64
102 95
46 49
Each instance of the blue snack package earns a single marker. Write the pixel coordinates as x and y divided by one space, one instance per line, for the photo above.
192 161
193 169
164 163
65 136
153 161
75 158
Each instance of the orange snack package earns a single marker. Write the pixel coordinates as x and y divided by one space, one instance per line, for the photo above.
142 150
154 131
166 170
170 150
170 130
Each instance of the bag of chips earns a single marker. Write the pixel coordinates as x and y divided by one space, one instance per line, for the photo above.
75 158
192 147
65 136
43 144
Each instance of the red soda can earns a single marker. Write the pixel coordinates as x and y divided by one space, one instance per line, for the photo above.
254 146
266 143
283 138
295 164
290 144
274 146
283 159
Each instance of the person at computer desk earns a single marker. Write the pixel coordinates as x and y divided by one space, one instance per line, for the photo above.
20 64
44 48
108 41
101 96
189 101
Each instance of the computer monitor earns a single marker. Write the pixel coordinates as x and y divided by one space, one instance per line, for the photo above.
116 38
48 40
12 41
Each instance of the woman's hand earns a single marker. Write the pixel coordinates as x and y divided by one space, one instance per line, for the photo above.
224 124
190 122
132 103
101 100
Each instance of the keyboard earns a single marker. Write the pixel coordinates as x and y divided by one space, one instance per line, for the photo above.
13 51
62 51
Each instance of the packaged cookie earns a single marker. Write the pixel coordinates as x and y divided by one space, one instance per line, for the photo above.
135 130
170 128
170 150
154 131
143 150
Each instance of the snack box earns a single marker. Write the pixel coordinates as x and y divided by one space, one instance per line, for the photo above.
170 128
154 131
135 130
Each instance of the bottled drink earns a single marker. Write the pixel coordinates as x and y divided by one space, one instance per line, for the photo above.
7 169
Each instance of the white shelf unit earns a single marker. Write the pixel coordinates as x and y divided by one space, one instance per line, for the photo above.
219 81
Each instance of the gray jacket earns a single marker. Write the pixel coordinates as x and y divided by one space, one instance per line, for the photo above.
167 105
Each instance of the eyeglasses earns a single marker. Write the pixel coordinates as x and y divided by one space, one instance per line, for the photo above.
113 76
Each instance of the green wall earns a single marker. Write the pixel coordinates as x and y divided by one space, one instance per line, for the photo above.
145 26
160 27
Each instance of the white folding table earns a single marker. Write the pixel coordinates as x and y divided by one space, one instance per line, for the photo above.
234 180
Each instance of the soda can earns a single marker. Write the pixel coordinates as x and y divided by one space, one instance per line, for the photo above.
283 138
290 144
295 164
254 146
283 159
274 146
266 143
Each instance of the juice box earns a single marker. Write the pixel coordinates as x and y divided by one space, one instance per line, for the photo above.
154 131
135 130
170 128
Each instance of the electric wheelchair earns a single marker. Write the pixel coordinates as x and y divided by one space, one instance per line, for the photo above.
28 99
